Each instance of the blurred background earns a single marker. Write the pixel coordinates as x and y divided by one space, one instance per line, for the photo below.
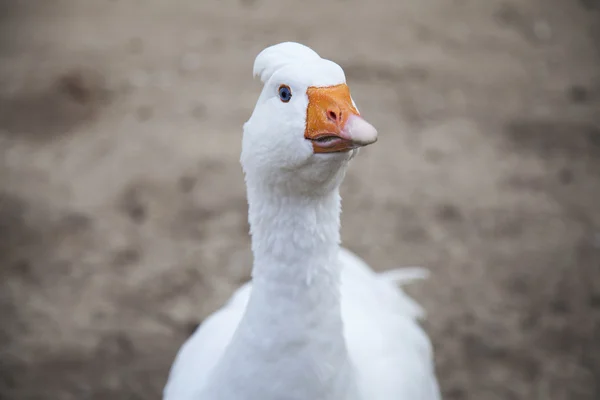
122 203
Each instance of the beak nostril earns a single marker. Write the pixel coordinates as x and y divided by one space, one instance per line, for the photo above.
332 115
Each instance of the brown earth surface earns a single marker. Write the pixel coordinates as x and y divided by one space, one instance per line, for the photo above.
122 204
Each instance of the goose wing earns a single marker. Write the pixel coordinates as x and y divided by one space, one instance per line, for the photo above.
391 353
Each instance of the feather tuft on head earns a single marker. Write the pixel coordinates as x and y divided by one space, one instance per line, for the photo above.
277 56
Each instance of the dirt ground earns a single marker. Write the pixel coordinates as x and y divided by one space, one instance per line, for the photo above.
122 204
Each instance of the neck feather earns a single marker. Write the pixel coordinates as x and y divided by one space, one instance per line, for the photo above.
292 327
295 239
296 273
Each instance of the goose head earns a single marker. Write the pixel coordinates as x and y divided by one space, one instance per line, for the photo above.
305 126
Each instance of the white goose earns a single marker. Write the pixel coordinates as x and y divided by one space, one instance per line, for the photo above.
316 323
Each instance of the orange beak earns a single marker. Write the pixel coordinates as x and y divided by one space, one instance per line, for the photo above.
333 124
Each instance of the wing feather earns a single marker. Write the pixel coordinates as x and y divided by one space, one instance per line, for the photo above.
392 354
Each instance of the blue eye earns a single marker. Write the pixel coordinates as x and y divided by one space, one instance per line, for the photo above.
285 93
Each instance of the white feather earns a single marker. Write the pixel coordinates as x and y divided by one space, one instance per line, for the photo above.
392 354
275 57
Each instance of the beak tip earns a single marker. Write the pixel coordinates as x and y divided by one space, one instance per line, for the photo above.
361 132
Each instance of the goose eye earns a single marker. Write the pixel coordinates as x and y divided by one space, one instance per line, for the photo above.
285 93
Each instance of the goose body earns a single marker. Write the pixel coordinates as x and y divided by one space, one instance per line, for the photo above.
316 322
